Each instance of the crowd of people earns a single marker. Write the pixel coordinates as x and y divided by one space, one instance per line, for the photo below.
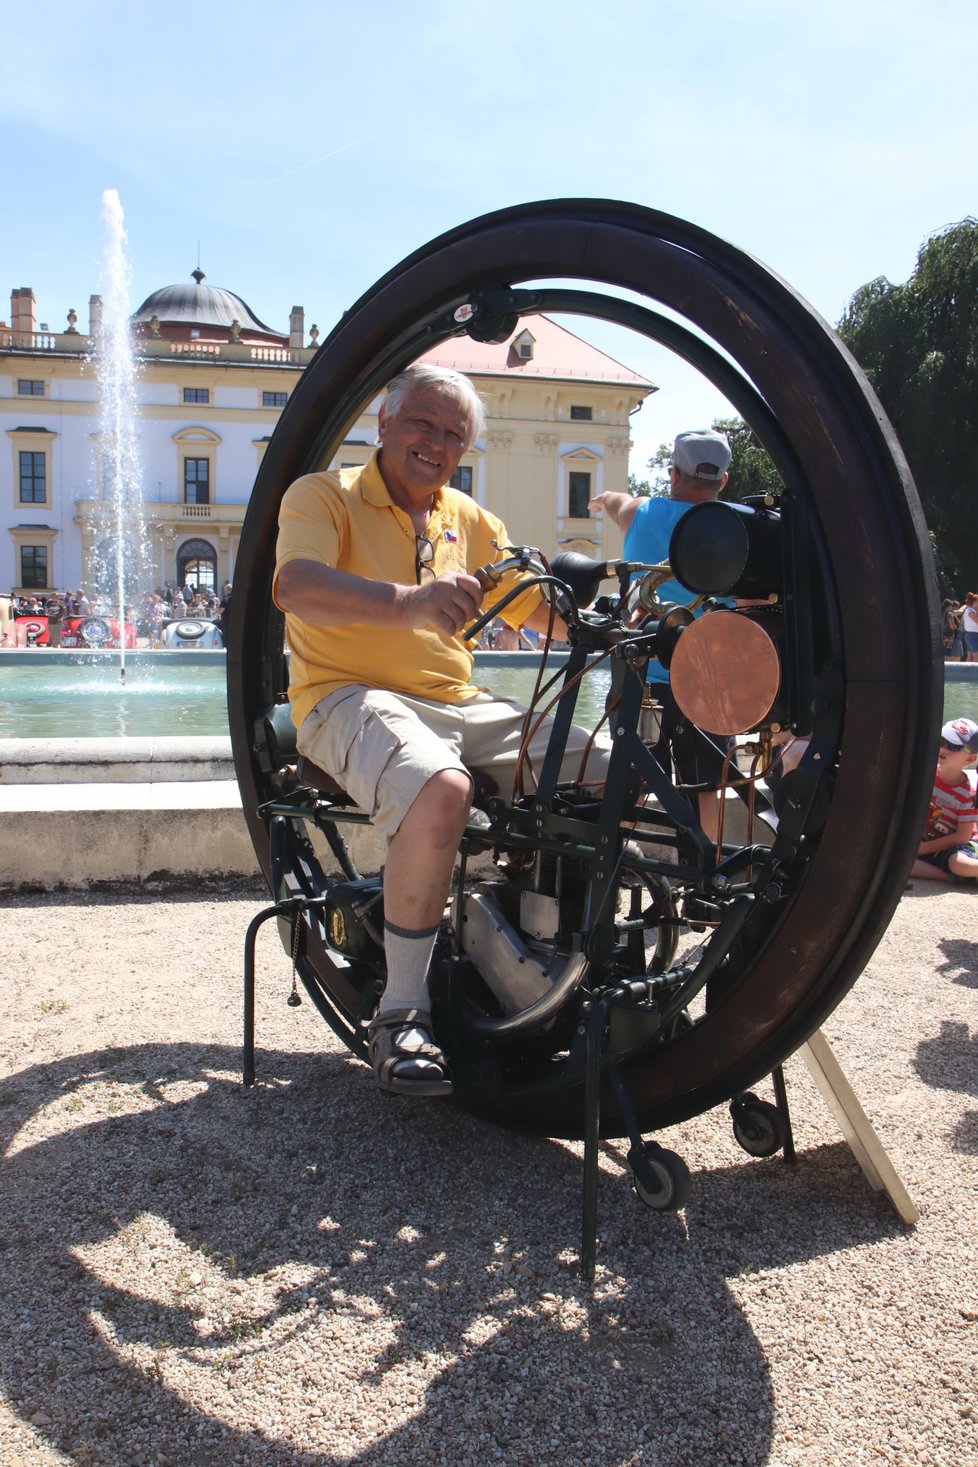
960 628
174 603
167 603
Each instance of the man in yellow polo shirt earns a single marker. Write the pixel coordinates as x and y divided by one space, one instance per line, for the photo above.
375 573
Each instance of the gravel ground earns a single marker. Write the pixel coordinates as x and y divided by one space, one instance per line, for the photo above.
307 1273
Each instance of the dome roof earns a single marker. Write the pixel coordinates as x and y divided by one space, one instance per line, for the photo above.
201 305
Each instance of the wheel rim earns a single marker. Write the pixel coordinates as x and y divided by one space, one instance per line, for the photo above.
798 388
662 1181
758 1127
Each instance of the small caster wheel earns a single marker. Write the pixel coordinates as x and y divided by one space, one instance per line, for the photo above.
758 1126
661 1178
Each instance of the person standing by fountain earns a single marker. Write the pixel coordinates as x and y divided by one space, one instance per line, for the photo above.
968 612
154 619
224 617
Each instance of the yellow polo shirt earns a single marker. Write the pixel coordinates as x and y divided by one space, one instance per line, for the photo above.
348 520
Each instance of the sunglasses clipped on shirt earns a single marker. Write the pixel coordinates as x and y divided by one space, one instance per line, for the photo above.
424 554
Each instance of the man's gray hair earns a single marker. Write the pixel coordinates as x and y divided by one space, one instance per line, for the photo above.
453 384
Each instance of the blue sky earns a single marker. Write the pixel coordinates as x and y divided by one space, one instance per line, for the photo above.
309 147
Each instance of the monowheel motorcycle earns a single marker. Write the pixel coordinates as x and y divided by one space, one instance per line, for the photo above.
560 989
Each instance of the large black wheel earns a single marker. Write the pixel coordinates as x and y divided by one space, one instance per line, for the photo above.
862 659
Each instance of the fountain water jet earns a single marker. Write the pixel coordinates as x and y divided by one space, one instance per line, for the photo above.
121 557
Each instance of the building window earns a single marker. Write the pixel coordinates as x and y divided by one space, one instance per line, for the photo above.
197 563
578 494
33 478
34 567
197 481
274 399
196 394
462 479
30 387
523 346
580 413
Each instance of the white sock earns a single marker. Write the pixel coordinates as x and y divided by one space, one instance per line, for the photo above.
408 955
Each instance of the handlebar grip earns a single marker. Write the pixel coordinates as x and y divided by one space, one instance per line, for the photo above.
582 574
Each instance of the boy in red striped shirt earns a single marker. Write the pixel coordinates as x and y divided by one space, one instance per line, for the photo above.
949 850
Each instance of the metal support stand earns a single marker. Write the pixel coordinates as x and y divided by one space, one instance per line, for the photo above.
827 1073
286 906
781 1101
251 937
596 1021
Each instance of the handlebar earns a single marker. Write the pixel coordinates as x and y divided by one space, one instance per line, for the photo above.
511 595
576 578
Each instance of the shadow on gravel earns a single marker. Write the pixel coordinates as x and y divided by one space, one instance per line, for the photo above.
145 1318
949 1061
960 961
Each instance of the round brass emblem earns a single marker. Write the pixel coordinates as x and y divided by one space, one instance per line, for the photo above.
725 673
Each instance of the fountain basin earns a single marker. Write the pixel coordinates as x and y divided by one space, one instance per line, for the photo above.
77 697
181 833
83 812
147 760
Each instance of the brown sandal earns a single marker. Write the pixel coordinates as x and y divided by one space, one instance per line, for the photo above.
405 1058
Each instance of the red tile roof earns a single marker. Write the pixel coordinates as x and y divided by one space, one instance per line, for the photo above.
556 353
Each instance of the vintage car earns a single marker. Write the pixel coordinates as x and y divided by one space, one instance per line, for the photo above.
191 631
95 632
31 631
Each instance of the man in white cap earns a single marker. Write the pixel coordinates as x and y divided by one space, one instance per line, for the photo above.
700 460
949 850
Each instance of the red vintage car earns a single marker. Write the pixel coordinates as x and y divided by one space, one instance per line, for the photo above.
94 632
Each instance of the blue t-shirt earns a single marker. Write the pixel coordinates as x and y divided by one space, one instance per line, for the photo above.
647 539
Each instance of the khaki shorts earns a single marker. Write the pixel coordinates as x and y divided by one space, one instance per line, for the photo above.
384 747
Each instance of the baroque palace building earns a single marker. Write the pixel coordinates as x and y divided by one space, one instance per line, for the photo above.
212 380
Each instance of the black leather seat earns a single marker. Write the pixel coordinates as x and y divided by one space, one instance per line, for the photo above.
310 774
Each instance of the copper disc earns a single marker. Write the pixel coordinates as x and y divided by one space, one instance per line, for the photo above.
725 673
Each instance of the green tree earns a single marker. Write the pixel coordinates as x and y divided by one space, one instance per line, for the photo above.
918 345
751 470
660 463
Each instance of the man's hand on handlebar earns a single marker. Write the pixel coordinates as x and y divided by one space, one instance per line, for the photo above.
446 603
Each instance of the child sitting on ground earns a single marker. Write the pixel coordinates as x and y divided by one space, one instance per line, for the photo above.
949 850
